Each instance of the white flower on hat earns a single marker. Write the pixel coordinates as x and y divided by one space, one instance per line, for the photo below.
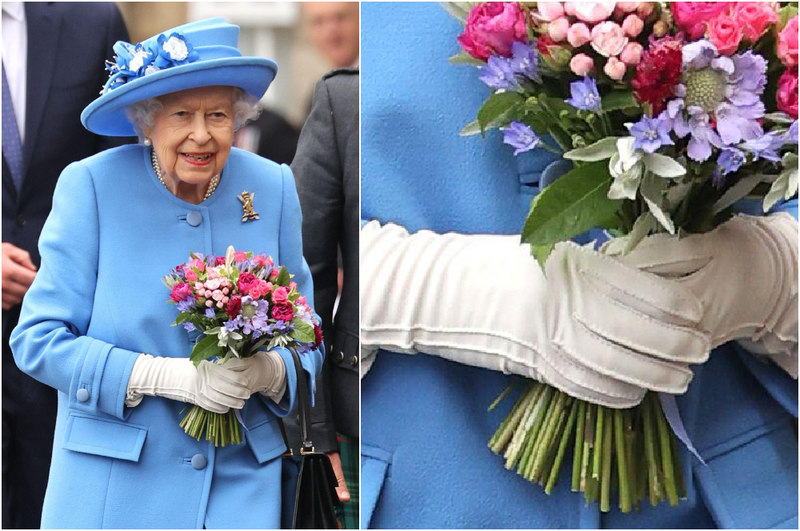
138 60
176 48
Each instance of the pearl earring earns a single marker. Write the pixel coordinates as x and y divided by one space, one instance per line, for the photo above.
147 142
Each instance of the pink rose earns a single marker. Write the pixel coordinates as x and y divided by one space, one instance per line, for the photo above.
753 18
615 69
255 292
274 274
632 25
549 11
283 311
692 17
579 34
301 301
569 8
280 294
725 34
182 291
239 256
191 275
199 264
631 54
787 93
219 260
593 11
608 39
787 43
581 64
246 281
492 28
628 7
558 29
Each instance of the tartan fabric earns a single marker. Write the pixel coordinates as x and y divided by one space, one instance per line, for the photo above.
349 452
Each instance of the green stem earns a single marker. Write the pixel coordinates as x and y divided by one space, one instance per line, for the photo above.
598 455
504 393
545 443
605 484
562 447
622 457
650 452
577 450
666 453
588 442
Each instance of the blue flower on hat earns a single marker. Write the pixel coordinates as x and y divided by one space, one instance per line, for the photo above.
174 50
133 62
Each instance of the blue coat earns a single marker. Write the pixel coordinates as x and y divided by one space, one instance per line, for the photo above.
98 302
425 462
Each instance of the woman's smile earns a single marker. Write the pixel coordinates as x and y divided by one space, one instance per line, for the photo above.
197 159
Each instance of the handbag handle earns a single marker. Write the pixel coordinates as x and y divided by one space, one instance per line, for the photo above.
303 408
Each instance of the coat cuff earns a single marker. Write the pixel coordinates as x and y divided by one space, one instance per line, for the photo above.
311 362
100 382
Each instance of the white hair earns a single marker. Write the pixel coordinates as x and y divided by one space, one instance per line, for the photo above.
142 114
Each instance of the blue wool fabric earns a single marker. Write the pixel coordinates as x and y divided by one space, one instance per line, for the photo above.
98 302
425 462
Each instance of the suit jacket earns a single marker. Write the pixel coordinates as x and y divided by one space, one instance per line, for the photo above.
67 45
98 302
327 170
425 426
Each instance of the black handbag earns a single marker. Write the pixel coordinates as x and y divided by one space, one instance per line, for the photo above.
315 499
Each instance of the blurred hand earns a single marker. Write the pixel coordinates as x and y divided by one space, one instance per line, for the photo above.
18 274
341 490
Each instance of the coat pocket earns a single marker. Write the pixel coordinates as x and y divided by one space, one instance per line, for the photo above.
105 437
261 430
374 469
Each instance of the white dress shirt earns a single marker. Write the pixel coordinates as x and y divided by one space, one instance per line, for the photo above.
15 58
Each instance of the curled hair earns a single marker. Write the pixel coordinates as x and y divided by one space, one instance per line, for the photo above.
142 114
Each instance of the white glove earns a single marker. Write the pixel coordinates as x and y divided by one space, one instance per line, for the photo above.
264 371
208 385
595 328
745 273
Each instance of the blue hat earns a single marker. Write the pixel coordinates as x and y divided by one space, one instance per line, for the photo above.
198 54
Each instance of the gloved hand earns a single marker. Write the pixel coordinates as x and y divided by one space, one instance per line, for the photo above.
264 371
745 274
595 328
210 386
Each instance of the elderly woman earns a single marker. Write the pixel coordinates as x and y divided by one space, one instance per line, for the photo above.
95 324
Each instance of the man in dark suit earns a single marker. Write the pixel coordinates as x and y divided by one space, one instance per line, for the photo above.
326 168
53 69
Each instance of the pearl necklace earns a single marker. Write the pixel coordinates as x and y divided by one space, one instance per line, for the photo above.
157 168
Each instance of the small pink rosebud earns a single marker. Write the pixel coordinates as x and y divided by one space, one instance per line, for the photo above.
628 7
220 305
225 300
549 11
579 34
209 303
569 9
557 29
631 54
632 25
615 69
581 64
225 291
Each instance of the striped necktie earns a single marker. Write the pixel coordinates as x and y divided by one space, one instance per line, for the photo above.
12 145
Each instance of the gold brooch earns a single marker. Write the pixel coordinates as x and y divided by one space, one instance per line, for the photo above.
247 205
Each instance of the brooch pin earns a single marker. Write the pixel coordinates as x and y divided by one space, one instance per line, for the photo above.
247 205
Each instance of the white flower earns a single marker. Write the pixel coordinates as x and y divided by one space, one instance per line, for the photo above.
305 316
137 61
151 69
176 48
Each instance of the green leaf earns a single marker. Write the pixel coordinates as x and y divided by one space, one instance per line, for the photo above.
303 332
204 349
573 204
779 118
458 10
663 166
652 190
283 277
463 58
472 128
739 190
497 106
618 100
182 318
541 252
785 15
784 187
600 150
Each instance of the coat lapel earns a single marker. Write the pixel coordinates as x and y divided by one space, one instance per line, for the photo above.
44 24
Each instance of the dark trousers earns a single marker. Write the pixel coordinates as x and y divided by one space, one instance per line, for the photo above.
29 420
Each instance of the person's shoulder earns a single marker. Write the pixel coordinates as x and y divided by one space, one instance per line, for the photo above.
255 169
97 12
344 72
120 157
341 79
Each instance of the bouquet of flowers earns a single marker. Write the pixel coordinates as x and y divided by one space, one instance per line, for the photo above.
671 113
241 303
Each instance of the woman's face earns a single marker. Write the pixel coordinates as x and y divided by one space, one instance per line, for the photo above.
193 134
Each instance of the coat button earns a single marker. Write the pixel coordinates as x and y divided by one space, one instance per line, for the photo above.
353 360
199 461
194 218
339 357
82 395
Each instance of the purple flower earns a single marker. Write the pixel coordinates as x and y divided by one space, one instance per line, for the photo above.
498 74
520 136
790 137
730 160
231 325
189 327
584 95
525 60
186 305
282 327
765 147
698 125
651 133
210 313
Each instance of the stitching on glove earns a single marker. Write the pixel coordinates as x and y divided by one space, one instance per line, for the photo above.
468 331
585 384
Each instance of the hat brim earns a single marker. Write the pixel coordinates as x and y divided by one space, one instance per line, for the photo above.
106 115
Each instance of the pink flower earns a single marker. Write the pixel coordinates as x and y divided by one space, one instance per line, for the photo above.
787 43
219 260
724 33
549 11
191 275
492 28
274 274
631 54
608 39
753 18
615 69
628 7
283 311
593 11
280 294
292 285
581 64
263 261
632 25
558 29
578 34
239 256
180 292
787 93
645 9
246 281
692 17
199 264
255 292
209 303
301 300
569 8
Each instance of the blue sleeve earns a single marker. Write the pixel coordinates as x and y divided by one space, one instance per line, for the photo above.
50 342
290 254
